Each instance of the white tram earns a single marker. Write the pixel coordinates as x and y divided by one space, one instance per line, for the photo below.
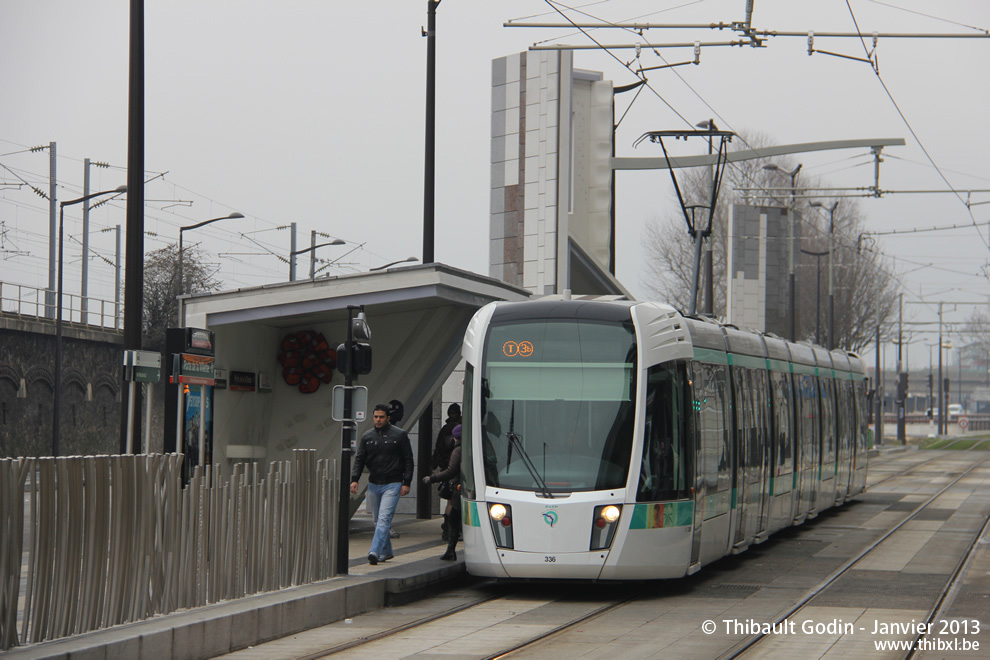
622 440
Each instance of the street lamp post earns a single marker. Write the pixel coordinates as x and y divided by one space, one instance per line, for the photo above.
231 216
941 404
57 395
312 259
818 291
831 279
790 243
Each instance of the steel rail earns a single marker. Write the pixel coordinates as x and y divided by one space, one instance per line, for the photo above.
756 638
382 634
910 470
564 627
951 589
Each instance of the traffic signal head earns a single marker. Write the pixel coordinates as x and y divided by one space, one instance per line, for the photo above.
358 362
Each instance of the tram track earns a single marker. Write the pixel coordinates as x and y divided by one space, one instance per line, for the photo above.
365 640
564 627
382 634
750 643
910 470
945 600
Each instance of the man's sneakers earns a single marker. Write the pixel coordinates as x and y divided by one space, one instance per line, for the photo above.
392 534
372 558
387 557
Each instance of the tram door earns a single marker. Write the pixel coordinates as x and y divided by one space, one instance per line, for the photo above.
809 443
797 495
691 391
748 451
761 472
813 429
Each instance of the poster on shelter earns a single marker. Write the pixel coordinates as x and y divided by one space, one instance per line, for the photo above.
191 422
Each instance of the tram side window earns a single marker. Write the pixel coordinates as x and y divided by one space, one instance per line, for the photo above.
782 423
718 459
745 426
761 416
720 374
828 423
467 465
845 422
862 440
701 407
808 391
666 468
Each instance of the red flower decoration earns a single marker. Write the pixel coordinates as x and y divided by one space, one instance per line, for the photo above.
307 360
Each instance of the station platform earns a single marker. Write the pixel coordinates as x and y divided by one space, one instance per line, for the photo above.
204 632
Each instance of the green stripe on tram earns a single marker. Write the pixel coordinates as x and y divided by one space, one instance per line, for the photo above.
804 369
662 514
469 514
737 360
710 355
779 365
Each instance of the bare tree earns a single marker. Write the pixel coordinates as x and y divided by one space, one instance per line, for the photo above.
865 292
977 331
161 288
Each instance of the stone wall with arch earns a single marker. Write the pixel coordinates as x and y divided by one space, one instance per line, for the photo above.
90 402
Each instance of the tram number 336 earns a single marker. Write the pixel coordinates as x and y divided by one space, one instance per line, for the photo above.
549 559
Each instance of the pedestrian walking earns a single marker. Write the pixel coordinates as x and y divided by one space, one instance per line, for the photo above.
387 453
451 478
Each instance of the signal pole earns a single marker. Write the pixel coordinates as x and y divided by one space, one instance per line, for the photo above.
902 379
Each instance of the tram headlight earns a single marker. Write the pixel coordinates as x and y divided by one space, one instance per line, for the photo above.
604 522
501 518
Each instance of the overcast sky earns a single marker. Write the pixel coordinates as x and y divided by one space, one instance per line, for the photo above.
312 111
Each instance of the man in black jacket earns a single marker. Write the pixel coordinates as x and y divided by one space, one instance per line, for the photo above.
387 453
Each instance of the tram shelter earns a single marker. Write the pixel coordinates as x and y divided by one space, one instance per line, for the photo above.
417 315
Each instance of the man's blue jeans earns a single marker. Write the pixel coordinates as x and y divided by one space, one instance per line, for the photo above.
383 498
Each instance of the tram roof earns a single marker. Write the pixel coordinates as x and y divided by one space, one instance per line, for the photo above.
555 307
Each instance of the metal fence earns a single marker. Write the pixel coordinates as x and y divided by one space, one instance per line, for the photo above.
92 542
30 302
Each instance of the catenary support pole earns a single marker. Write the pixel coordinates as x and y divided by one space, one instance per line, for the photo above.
292 252
901 379
134 270
116 281
52 230
84 286
429 171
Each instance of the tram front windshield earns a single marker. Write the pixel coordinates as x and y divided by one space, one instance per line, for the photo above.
557 405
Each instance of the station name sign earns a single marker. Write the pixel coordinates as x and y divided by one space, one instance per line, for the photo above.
189 369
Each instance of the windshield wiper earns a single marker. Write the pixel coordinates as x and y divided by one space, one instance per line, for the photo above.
514 441
528 462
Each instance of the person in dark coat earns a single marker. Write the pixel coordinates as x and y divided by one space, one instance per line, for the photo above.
387 453
441 456
451 475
